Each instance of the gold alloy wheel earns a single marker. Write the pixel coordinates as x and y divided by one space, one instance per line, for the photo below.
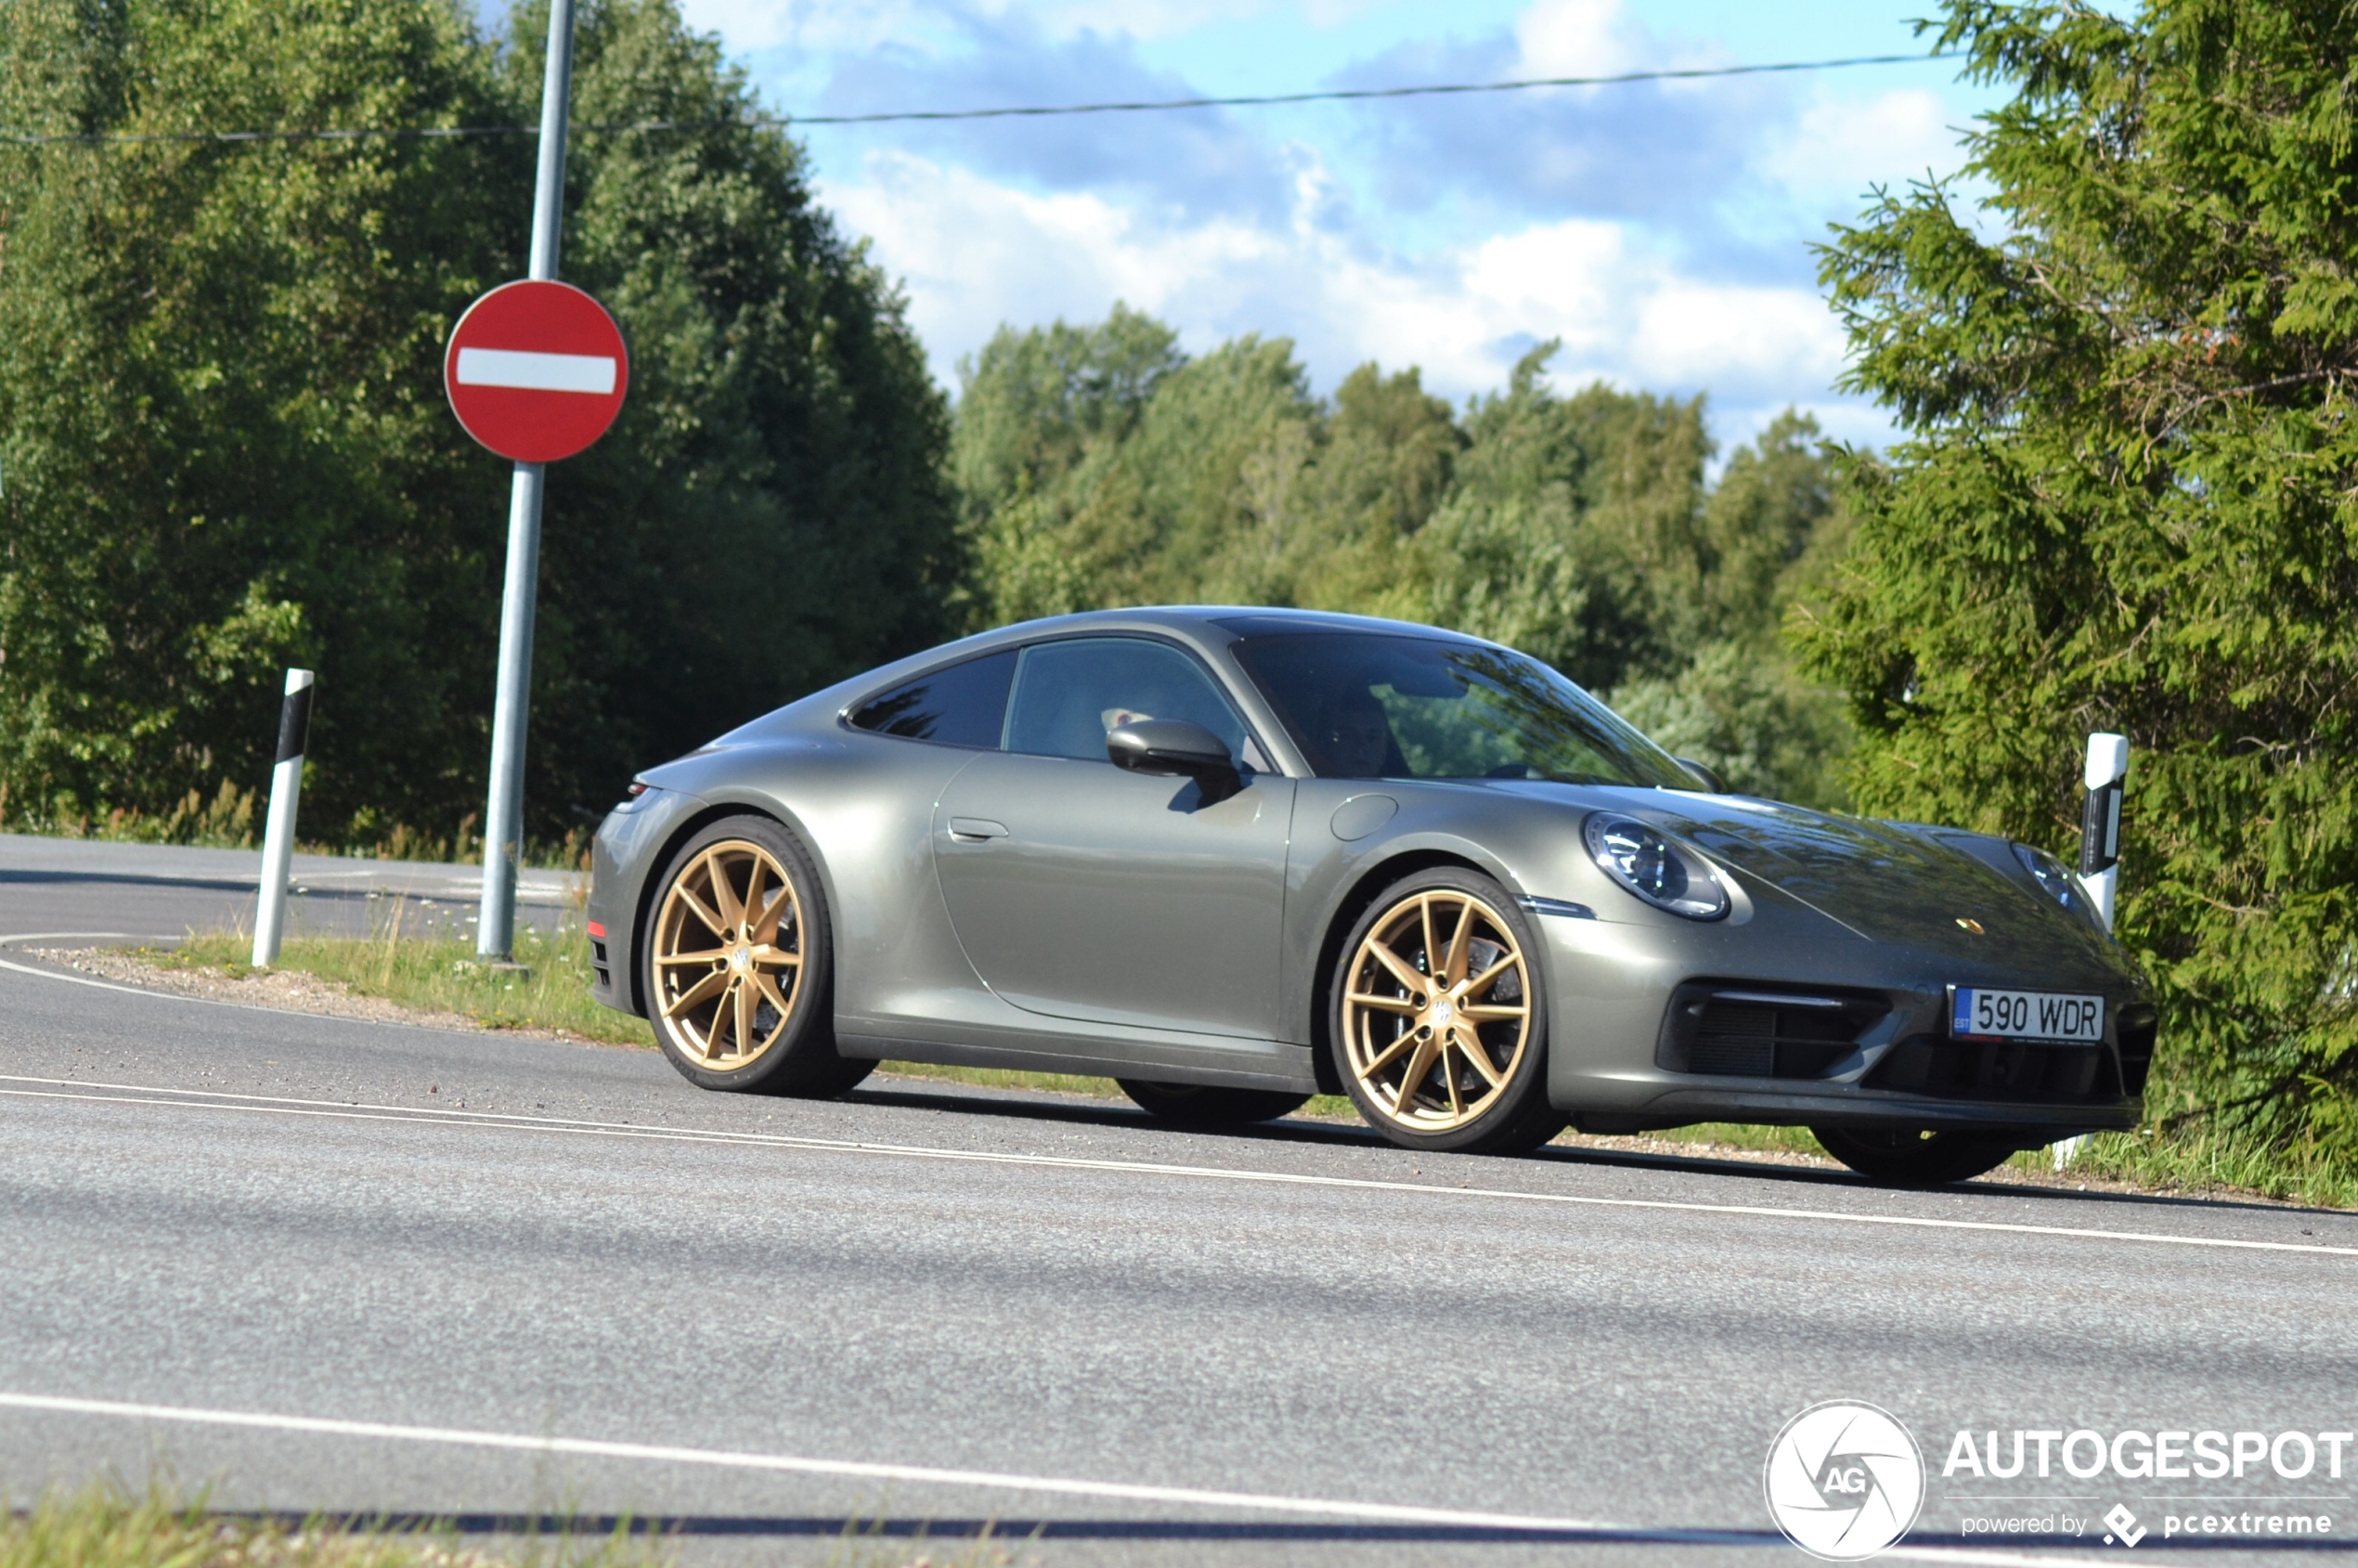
1436 1010
728 955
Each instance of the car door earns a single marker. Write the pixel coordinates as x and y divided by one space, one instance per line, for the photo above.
1084 891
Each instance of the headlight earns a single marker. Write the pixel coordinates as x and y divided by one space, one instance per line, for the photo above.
2056 880
1665 873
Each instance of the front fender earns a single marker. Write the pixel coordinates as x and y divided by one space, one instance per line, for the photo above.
1338 861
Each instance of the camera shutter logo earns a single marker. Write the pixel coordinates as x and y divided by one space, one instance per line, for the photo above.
1844 1480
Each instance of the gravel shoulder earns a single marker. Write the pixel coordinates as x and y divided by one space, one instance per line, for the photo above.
287 991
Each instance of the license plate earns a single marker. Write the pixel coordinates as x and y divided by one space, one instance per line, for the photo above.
1975 1012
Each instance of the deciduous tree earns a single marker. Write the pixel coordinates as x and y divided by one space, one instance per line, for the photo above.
223 444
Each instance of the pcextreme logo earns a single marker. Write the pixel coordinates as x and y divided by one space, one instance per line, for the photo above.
1844 1480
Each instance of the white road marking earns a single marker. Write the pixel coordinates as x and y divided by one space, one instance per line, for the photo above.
537 373
208 1099
1260 1502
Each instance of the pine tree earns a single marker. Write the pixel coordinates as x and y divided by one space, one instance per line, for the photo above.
2128 500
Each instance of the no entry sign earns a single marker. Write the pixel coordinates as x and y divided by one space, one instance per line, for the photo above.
536 370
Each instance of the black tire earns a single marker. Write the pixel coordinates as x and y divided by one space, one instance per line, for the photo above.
796 1052
1516 1117
1913 1155
1204 1105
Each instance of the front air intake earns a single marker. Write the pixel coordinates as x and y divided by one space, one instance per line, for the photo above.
1731 1029
2140 1024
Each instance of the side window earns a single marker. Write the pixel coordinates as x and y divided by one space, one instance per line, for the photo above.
1071 693
965 704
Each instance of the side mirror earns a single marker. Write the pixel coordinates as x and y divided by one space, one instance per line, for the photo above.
1711 781
1175 747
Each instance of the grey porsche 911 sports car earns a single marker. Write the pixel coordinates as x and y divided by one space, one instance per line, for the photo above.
1233 857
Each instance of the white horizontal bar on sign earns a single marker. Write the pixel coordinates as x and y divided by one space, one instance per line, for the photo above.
537 373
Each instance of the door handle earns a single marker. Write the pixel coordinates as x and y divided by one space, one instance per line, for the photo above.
973 830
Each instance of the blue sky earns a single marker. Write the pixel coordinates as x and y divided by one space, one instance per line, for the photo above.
1661 231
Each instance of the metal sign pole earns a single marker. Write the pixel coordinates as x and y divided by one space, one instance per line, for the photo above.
503 813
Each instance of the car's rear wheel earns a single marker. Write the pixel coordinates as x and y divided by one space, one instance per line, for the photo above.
1439 1017
1205 1105
739 966
1913 1155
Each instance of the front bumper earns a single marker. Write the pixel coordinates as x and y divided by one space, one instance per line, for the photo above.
621 859
1653 1029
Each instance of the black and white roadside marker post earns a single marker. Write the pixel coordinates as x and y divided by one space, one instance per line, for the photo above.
2106 776
278 833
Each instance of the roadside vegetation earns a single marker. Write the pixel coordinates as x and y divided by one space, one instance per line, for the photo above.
227 450
438 970
105 1526
2123 502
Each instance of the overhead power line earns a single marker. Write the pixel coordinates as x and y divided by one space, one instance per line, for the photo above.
1251 100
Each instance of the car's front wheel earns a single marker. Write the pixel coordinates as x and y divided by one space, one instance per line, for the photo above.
739 968
1912 1156
1205 1105
1439 1017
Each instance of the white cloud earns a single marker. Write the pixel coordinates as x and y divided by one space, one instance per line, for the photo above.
1839 147
1600 38
1139 19
811 25
858 25
1695 335
975 253
1572 38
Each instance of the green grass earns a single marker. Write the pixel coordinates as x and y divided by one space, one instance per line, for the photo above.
442 973
1745 1136
104 1527
2204 1160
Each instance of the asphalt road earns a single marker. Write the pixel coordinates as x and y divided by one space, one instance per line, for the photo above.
154 890
349 1266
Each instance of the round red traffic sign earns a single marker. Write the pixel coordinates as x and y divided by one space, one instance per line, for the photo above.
536 370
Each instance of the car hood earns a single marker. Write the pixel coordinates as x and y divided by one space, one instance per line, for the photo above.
1886 881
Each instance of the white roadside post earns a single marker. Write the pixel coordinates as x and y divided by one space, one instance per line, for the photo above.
2100 819
2106 776
503 812
278 833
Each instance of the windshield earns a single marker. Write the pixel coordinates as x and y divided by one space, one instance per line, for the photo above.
1371 705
